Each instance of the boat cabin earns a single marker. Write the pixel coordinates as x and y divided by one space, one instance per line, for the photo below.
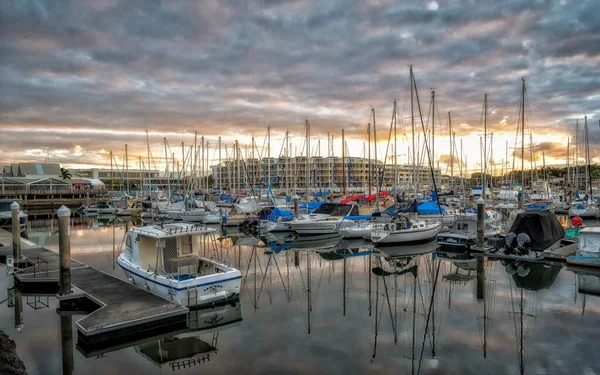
173 249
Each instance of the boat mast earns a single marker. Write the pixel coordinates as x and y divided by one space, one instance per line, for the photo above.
268 160
126 170
568 161
451 152
576 174
484 160
395 153
522 145
220 182
369 147
343 166
376 166
307 125
167 166
588 169
433 129
412 121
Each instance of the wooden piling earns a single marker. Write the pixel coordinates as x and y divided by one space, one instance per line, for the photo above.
16 231
64 250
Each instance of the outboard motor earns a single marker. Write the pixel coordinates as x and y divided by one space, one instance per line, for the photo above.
511 242
523 243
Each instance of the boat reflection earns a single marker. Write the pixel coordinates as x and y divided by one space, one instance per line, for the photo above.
182 348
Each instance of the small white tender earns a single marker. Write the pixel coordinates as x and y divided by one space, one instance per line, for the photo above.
166 260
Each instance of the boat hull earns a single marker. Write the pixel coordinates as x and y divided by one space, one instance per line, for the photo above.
196 291
405 235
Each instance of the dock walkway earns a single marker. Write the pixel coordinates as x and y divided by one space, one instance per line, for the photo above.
114 306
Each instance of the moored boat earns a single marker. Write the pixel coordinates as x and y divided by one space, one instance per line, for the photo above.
166 260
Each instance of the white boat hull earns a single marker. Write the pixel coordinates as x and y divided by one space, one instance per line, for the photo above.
207 288
405 235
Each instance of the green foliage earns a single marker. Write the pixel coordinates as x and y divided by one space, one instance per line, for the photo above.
66 175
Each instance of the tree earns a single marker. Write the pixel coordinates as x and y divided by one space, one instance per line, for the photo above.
66 175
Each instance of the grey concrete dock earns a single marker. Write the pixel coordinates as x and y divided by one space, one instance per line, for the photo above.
114 307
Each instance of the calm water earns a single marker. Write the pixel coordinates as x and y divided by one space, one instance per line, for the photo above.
305 308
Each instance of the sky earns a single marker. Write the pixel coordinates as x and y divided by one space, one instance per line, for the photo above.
84 77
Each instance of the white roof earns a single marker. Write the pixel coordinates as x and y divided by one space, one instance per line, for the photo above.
172 230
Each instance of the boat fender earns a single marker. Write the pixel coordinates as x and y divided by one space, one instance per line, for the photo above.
386 227
224 219
392 227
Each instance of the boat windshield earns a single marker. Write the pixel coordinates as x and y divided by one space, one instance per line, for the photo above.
336 209
5 206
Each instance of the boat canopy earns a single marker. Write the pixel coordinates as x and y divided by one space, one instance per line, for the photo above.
542 227
353 198
335 209
381 195
430 208
311 206
280 213
589 242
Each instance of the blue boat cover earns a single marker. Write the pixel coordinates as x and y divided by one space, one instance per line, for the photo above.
359 217
311 206
429 208
278 212
536 206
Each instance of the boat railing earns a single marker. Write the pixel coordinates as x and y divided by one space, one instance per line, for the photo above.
174 230
222 261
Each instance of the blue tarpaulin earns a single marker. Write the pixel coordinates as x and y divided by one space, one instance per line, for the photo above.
429 208
311 206
278 212
359 217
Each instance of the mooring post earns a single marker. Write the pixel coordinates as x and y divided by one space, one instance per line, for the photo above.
296 258
296 209
16 231
64 250
480 222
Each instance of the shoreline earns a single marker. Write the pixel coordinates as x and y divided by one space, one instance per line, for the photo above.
10 363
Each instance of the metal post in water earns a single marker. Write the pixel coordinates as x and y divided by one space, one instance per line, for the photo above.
480 222
64 250
16 231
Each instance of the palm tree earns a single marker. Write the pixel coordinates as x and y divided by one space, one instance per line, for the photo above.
66 175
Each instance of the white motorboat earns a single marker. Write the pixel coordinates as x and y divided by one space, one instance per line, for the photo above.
397 232
166 260
324 220
464 233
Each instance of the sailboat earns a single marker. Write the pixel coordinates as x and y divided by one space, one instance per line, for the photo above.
586 207
402 229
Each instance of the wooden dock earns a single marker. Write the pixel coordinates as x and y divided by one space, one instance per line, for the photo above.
114 307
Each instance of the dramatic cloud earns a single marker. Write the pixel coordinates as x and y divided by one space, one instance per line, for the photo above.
73 71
